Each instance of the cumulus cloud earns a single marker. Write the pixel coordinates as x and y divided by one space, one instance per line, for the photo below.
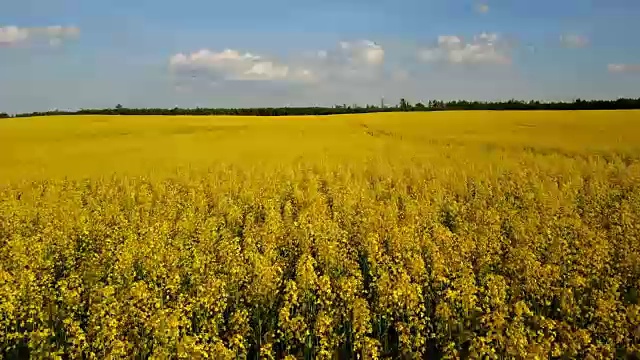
482 8
359 61
574 41
623 68
10 35
364 52
485 48
53 35
231 64
349 60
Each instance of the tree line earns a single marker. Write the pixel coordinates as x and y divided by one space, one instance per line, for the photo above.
404 105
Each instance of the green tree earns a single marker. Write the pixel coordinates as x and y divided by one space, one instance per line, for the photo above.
404 105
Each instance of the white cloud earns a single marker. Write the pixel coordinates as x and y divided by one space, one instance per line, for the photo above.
482 8
449 41
363 52
10 35
374 54
359 61
267 70
355 61
574 41
232 65
490 38
623 68
304 75
53 35
485 48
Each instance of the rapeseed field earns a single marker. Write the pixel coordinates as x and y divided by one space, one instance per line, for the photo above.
399 235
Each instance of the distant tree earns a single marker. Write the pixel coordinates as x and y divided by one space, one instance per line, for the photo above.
404 105
4 115
512 104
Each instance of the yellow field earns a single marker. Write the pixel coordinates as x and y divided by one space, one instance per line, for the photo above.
79 146
450 234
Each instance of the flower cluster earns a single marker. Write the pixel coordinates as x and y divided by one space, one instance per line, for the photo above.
364 262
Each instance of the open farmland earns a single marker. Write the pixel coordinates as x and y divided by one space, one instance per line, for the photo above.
448 234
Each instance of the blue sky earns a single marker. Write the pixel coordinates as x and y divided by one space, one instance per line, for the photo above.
71 54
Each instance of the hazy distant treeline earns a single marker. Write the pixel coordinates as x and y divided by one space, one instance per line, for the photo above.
432 105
